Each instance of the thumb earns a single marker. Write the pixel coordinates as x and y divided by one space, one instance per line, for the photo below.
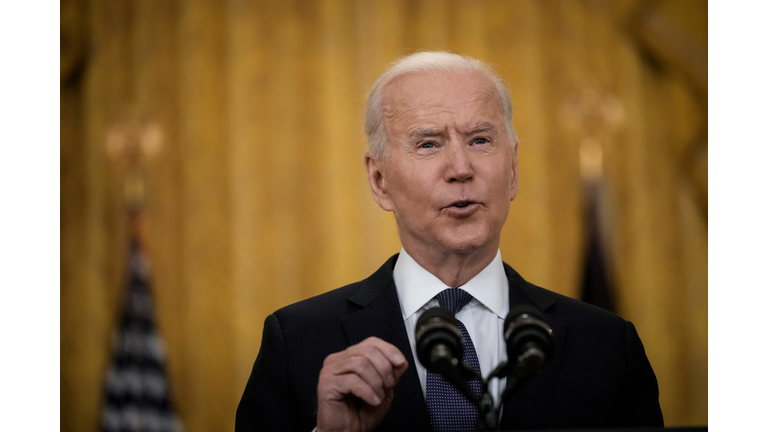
398 371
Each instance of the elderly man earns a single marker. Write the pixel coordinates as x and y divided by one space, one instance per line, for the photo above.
443 158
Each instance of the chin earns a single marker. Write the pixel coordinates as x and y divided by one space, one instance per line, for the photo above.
466 243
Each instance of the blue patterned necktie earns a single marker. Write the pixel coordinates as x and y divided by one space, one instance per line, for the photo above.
448 409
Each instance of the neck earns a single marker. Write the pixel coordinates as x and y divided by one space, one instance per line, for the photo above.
453 268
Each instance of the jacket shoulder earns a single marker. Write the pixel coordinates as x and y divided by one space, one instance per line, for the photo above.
325 305
575 311
340 301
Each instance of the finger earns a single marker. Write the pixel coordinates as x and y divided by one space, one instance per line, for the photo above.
353 384
399 371
393 355
386 358
391 352
361 366
332 358
381 363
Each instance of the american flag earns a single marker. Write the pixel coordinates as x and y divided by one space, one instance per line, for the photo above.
137 394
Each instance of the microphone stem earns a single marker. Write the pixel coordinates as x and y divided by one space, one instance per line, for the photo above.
488 419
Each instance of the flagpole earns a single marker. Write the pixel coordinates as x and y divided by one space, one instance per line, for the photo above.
137 394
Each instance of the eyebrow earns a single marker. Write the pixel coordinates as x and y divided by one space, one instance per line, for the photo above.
429 132
424 132
482 127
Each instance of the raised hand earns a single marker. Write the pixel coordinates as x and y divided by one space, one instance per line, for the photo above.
356 386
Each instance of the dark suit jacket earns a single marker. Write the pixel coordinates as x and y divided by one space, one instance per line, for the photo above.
599 375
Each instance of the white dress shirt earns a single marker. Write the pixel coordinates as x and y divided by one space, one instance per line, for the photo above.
483 316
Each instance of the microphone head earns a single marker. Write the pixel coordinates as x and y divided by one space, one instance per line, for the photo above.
437 338
529 339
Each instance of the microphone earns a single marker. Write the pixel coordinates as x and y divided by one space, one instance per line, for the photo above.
529 341
438 340
439 349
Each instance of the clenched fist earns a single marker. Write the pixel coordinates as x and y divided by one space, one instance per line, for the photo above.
356 386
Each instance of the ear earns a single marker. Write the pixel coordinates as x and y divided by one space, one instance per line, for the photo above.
513 185
374 168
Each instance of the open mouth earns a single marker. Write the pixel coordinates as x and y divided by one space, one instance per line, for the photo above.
462 209
461 205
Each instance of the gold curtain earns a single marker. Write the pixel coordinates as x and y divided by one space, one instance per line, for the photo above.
258 197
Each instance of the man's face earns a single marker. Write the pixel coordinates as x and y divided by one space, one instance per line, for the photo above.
450 171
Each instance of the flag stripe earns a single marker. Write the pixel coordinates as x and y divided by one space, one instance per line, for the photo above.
137 395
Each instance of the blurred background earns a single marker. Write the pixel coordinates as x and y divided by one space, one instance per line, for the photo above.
250 114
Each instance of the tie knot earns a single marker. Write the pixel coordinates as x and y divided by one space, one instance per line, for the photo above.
453 299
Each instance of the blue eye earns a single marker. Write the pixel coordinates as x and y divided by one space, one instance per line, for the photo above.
429 144
480 141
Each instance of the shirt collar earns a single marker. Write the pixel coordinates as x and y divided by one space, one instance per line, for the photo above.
416 286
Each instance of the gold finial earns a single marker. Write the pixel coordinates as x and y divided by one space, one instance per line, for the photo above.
592 114
130 143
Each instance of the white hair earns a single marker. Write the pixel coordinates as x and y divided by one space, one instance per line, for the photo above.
426 62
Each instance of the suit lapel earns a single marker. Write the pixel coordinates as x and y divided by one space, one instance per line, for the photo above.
379 305
530 403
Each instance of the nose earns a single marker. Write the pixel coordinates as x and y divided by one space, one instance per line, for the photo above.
459 164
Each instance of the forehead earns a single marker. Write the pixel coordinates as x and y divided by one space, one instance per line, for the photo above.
461 98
